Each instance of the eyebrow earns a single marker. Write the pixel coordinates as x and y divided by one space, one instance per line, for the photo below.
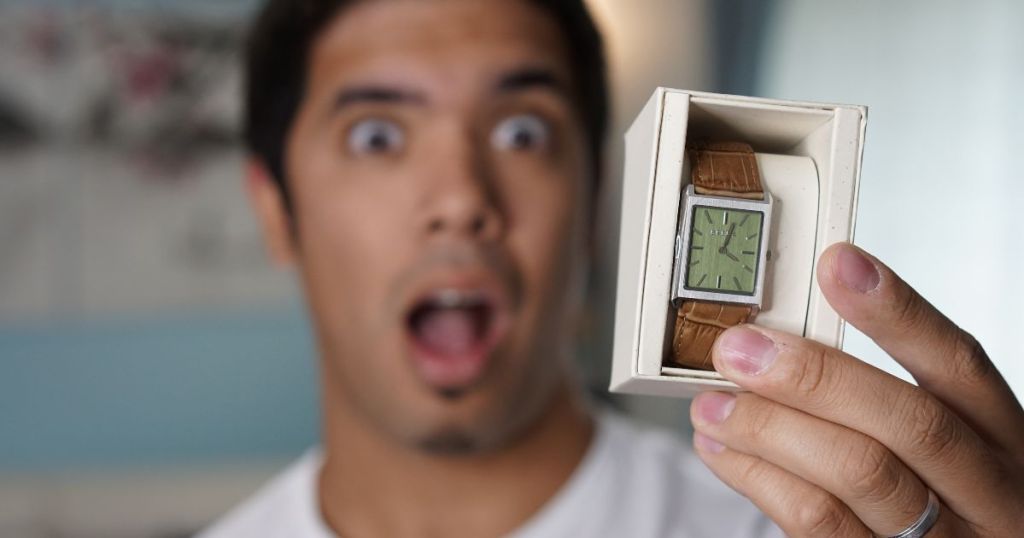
531 77
515 81
375 94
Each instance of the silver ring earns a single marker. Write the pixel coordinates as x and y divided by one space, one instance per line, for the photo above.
924 523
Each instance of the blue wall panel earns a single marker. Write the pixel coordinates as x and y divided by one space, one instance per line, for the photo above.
161 390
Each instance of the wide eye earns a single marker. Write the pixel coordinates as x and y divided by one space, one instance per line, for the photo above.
521 133
375 135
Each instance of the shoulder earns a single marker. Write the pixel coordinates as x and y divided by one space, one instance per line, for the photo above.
283 508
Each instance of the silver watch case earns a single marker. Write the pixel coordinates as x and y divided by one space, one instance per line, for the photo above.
682 252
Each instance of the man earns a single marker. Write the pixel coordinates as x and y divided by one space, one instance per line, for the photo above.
429 167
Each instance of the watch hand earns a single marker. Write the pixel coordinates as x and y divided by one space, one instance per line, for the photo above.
729 254
727 239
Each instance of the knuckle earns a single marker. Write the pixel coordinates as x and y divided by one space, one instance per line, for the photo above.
759 422
753 472
810 374
933 429
970 363
823 516
872 472
908 308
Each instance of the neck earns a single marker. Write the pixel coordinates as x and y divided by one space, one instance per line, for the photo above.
372 486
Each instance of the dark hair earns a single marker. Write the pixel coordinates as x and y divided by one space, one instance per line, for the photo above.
277 58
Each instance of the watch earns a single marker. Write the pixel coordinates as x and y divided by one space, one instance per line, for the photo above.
721 249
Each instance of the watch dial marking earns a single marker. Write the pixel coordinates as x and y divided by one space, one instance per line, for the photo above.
747 267
707 215
719 284
701 281
748 252
737 281
744 220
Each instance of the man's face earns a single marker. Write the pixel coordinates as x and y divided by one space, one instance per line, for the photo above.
440 186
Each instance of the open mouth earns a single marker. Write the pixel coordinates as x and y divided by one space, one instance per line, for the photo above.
453 332
451 323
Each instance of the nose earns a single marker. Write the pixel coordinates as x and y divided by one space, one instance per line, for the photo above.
462 201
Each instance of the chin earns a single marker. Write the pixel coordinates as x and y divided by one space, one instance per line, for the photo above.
482 419
452 443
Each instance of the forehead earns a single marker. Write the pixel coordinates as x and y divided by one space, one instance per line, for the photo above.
447 47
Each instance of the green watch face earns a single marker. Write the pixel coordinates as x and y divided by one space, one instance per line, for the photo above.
725 248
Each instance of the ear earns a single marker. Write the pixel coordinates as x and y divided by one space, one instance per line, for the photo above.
268 204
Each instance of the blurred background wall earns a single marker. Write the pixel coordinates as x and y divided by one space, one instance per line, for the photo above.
154 369
942 189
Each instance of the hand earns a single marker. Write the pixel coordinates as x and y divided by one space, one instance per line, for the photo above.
729 255
732 229
827 445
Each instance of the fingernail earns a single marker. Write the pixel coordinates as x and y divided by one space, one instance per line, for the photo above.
746 350
707 444
715 407
857 272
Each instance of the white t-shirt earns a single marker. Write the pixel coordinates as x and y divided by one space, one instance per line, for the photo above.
633 481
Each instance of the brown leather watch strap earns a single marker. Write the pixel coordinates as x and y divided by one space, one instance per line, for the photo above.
725 169
698 324
718 169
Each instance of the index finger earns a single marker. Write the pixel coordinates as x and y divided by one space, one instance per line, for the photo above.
944 359
827 383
